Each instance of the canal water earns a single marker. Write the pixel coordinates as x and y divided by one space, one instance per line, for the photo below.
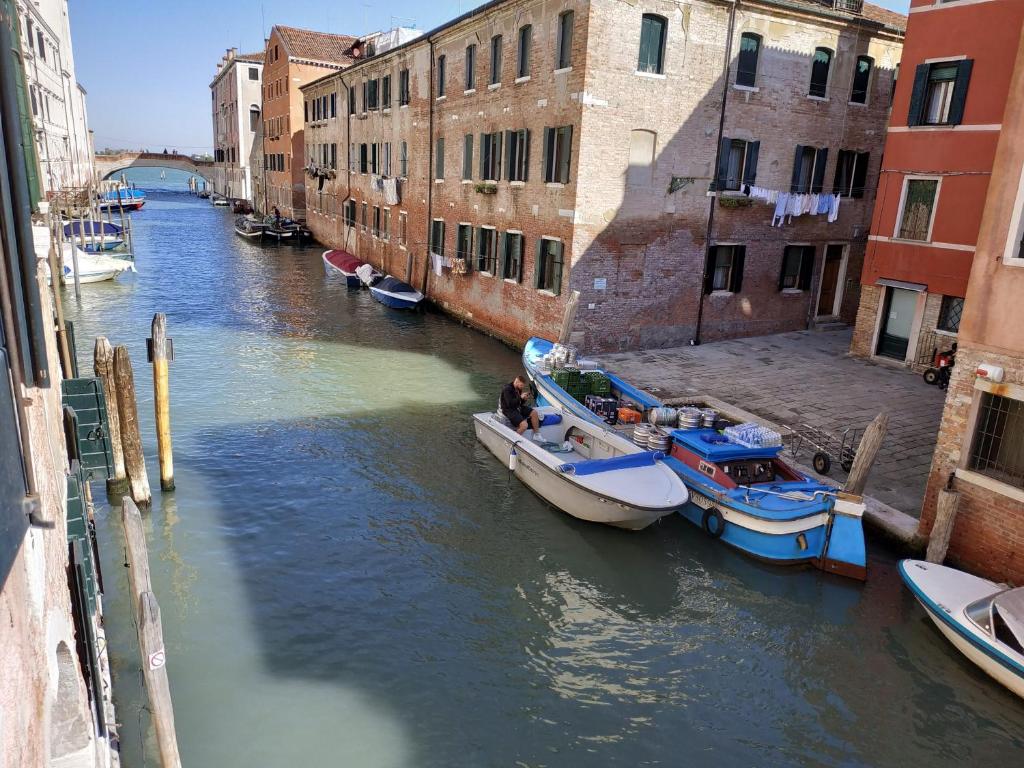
348 579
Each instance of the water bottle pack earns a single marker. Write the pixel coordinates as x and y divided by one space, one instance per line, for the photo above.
752 435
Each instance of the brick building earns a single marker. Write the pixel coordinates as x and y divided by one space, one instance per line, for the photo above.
981 440
939 154
601 147
236 93
292 58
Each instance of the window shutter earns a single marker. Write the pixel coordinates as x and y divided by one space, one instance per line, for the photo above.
557 265
508 154
709 270
860 173
723 164
918 93
497 156
795 184
739 253
526 158
820 161
750 170
502 255
806 267
470 250
546 154
537 259
565 155
963 79
483 154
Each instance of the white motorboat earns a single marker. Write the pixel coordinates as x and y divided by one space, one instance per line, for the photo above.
575 468
92 267
984 620
249 227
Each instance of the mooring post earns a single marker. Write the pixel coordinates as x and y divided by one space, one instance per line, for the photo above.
942 528
162 400
62 331
103 367
131 440
867 450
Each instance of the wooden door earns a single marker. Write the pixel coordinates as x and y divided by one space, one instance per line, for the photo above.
830 281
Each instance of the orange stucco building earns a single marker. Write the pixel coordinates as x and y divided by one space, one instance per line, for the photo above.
293 57
980 449
944 128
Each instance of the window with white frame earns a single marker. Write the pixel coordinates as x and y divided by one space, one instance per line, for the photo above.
737 164
851 173
724 268
512 256
917 209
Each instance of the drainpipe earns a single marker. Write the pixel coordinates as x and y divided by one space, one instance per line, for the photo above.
695 341
430 168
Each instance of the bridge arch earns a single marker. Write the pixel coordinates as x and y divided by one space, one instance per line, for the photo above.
110 165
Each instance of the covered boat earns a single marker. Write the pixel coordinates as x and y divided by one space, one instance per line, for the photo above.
97 235
249 227
983 620
344 264
744 495
392 292
92 267
575 468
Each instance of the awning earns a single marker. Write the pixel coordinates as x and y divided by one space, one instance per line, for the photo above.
901 284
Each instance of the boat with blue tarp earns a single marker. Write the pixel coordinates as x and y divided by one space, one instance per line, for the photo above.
742 494
97 235
120 196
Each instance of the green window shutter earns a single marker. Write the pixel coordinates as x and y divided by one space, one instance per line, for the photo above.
526 157
820 161
558 266
959 100
645 64
85 398
795 183
860 174
537 271
806 267
709 270
719 182
750 169
467 157
547 151
502 254
483 156
739 255
508 154
497 155
565 155
918 93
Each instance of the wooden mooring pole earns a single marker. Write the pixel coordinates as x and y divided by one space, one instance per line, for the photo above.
103 367
159 344
131 440
942 528
867 450
151 635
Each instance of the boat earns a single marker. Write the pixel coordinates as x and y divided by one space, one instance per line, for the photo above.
98 235
577 470
345 264
92 267
219 200
247 226
120 196
740 492
982 619
388 290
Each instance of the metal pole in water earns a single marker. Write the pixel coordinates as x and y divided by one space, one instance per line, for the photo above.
159 344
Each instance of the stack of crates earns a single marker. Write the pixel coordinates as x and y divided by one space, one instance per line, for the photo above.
598 383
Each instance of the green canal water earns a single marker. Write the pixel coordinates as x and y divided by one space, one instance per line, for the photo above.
347 578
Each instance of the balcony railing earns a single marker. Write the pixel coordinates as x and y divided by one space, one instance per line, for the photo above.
849 6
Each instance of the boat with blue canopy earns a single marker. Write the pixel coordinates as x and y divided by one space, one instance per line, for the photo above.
94 236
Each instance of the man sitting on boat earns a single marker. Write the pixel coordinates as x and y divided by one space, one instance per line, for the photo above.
514 408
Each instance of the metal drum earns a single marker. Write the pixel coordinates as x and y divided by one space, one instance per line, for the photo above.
662 416
708 417
642 434
690 418
659 441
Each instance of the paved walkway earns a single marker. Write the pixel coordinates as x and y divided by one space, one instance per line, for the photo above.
806 378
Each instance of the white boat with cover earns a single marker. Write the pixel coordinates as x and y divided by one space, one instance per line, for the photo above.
984 620
578 470
92 267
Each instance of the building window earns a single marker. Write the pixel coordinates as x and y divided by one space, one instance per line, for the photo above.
511 267
334 156
746 62
464 243
490 156
523 51
940 93
254 74
517 161
820 66
403 87
949 314
387 159
351 101
496 47
372 87
375 158
641 157
364 158
809 170
442 62
724 268
851 173
363 219
861 80
652 44
470 67
403 220
254 118
350 212
998 447
917 209
437 237
557 154
797 267
563 54
385 91
467 156
385 231
487 250
737 164
439 159
376 221
549 265
403 160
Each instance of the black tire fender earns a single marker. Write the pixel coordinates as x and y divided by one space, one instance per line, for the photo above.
719 525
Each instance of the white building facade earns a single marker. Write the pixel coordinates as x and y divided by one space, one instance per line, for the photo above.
57 100
236 102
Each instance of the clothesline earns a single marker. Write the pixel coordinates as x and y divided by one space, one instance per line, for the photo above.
791 204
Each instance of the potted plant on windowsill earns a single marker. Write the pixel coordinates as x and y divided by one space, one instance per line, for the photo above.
486 188
734 201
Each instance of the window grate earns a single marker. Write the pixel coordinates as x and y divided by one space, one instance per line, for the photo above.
949 314
998 449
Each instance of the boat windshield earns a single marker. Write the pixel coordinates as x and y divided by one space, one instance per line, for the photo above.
980 612
1004 634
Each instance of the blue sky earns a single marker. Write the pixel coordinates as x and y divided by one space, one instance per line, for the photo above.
147 65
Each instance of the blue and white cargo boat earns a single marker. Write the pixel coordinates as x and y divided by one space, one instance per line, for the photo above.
743 494
982 619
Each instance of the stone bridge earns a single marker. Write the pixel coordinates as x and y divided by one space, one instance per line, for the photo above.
109 165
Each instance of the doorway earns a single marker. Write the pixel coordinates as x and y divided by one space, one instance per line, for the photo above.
830 294
897 320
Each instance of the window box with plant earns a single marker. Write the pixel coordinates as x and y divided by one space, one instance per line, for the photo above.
486 188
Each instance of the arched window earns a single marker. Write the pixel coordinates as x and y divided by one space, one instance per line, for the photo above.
820 65
642 145
652 44
746 63
861 80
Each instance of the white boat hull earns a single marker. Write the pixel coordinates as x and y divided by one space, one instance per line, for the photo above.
556 489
